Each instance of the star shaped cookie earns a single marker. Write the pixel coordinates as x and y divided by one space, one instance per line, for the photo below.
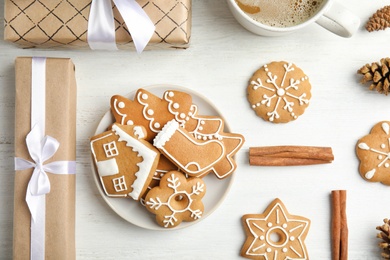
275 234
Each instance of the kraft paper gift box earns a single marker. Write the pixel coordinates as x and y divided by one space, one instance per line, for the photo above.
58 23
57 99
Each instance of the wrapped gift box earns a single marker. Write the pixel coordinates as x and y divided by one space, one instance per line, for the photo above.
60 123
56 23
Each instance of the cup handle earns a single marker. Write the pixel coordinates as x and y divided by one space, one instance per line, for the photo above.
339 20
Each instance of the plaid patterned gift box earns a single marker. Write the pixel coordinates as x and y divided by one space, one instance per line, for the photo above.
64 23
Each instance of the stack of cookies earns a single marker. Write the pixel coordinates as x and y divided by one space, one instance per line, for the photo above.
159 149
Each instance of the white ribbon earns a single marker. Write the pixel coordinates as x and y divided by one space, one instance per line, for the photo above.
40 151
41 148
101 24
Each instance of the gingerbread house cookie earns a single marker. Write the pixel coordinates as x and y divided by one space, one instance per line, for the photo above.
124 161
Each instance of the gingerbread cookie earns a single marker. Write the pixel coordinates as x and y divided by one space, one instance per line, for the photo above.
194 157
373 151
275 234
279 92
153 113
176 199
211 127
150 111
124 161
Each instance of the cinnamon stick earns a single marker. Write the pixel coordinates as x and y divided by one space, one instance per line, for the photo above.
343 226
336 223
289 155
339 225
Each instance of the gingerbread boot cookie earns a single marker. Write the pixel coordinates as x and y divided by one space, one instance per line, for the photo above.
192 156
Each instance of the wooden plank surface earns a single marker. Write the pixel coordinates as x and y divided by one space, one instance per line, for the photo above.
219 63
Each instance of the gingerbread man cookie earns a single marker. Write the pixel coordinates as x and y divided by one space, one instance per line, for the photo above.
176 199
275 234
373 151
279 92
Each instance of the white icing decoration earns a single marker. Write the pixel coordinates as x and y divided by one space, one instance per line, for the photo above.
180 117
166 133
139 132
150 112
116 108
385 127
145 111
363 146
174 184
157 125
176 105
370 174
383 155
130 122
107 168
268 249
281 93
119 184
121 104
144 166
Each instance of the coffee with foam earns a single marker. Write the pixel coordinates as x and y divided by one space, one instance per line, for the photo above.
280 13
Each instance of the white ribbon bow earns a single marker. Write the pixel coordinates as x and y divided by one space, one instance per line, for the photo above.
40 151
101 24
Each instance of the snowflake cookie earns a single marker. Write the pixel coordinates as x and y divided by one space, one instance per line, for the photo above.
275 234
279 92
176 199
373 151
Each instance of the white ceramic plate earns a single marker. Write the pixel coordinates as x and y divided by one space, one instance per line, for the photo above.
133 211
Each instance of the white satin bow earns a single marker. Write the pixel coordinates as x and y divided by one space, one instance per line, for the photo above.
40 151
101 24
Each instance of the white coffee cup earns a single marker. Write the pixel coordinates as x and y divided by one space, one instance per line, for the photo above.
332 16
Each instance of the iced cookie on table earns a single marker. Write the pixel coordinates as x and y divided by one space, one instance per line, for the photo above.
212 127
124 161
176 199
373 151
275 234
151 111
193 156
279 92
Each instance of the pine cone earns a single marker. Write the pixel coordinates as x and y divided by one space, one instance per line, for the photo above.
385 236
379 20
379 74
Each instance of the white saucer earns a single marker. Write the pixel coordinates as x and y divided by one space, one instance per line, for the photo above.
133 211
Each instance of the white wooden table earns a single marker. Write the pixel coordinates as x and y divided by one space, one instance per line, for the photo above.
218 64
